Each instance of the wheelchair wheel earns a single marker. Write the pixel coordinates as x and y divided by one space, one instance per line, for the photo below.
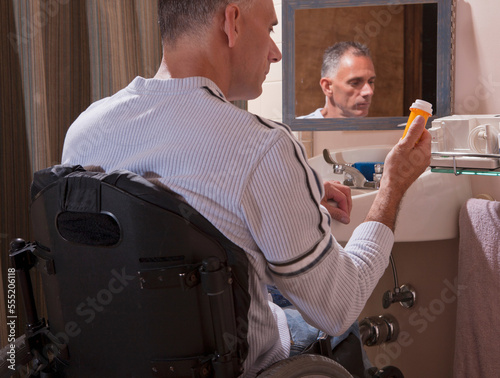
306 365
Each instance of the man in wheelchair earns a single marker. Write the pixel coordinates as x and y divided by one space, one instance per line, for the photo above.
246 175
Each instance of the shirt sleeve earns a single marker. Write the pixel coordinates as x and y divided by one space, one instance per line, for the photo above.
327 283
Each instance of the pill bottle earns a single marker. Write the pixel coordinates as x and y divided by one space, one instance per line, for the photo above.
419 107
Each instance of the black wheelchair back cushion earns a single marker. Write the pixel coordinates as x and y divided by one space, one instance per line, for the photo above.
141 284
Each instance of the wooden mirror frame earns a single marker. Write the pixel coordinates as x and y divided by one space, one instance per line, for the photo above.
444 80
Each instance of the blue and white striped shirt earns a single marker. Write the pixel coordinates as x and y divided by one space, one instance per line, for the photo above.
248 176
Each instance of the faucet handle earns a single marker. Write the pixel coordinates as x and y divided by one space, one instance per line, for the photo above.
377 176
328 157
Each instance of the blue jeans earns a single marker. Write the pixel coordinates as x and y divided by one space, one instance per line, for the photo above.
303 334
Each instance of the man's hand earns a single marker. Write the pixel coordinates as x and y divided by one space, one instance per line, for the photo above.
409 158
403 165
338 201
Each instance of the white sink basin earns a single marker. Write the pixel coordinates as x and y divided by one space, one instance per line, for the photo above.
429 210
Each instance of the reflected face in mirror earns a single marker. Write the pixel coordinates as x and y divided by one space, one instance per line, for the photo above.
349 88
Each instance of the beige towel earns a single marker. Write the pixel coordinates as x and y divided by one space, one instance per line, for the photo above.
477 341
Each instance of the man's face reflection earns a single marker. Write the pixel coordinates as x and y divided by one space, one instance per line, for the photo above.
349 92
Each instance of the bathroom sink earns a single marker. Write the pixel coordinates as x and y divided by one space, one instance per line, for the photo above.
430 207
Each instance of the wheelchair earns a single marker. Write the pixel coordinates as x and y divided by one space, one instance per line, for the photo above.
137 283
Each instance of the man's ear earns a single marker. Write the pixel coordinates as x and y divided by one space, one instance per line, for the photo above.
232 19
326 86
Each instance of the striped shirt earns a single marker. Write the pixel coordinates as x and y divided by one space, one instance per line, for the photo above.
249 176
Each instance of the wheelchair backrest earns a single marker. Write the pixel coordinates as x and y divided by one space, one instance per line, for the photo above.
137 282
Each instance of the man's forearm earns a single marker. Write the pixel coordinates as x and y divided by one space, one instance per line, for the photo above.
385 207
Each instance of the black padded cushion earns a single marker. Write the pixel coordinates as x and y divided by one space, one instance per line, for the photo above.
80 201
88 228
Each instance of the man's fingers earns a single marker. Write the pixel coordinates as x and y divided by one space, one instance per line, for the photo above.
415 131
339 215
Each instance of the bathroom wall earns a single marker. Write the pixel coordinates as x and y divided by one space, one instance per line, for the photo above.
426 342
477 77
269 103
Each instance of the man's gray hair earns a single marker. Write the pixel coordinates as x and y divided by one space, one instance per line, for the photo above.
333 55
180 17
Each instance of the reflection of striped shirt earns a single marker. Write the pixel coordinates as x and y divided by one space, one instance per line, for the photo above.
250 178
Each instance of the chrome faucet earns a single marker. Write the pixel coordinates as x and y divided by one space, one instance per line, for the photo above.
352 176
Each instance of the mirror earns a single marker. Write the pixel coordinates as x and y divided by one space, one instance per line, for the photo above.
411 47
